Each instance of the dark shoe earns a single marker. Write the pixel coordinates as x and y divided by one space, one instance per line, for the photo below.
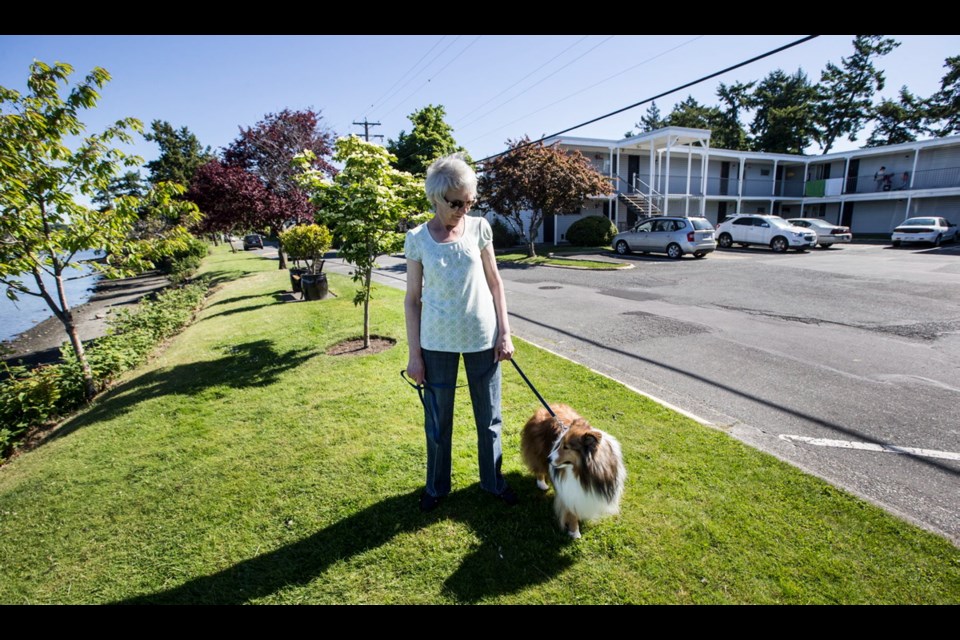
428 502
508 497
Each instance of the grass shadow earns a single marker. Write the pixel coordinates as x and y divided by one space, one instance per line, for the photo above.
500 565
252 364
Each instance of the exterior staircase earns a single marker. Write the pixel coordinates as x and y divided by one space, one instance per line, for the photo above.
639 205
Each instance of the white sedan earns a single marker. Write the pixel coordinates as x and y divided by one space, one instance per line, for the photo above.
828 233
932 230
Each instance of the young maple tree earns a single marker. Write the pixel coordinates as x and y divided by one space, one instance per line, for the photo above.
532 181
42 227
367 203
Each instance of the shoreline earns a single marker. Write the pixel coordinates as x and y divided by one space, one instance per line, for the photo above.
40 344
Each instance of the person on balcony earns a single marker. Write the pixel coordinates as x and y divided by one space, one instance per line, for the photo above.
880 177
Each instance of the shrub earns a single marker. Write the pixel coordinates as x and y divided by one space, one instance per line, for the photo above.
181 262
39 396
307 242
503 236
592 231
27 398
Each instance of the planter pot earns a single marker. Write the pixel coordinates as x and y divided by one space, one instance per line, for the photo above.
314 286
295 275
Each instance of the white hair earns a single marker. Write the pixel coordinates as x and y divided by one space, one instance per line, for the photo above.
448 173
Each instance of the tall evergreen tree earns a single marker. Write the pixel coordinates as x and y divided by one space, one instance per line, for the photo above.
944 116
651 121
180 154
692 114
728 131
785 110
430 138
845 93
897 121
128 184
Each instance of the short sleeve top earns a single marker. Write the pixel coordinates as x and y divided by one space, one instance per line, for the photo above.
457 310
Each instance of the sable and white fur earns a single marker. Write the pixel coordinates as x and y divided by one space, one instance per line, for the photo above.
586 468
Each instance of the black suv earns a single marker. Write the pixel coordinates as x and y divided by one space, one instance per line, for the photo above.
252 241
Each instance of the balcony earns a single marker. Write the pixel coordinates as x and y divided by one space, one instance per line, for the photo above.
768 188
900 181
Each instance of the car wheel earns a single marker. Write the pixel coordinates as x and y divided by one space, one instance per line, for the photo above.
698 254
725 240
779 244
623 248
936 242
895 243
674 251
829 245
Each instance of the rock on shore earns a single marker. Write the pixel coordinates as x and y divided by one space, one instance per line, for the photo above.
41 343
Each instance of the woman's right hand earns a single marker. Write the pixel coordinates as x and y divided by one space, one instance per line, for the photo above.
415 369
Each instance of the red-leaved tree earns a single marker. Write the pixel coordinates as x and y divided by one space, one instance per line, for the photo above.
266 151
231 198
532 181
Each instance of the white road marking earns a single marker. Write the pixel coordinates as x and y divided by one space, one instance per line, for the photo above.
869 446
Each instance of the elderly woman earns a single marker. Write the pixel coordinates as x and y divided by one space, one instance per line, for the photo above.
455 305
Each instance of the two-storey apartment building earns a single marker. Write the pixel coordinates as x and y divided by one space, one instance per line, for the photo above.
675 171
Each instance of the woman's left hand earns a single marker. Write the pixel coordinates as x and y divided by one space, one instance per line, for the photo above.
504 349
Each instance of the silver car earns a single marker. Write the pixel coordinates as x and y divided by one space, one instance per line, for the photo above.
827 234
674 236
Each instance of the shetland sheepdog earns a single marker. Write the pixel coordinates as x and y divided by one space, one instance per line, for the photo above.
585 466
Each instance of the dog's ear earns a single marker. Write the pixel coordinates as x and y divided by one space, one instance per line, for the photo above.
591 441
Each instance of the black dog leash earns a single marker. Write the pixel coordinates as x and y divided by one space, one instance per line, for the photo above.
423 388
434 406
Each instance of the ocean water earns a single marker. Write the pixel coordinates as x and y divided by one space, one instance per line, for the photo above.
17 317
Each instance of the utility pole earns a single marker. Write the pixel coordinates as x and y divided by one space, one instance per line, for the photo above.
366 129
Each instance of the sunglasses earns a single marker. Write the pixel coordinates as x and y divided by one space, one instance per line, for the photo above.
460 204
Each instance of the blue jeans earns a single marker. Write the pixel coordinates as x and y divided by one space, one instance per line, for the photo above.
483 378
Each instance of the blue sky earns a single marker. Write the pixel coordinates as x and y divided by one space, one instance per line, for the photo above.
493 87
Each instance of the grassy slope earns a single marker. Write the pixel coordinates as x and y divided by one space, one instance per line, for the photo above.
244 464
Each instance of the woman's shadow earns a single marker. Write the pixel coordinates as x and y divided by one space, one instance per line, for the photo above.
505 562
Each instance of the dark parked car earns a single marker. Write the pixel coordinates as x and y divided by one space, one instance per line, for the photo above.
252 241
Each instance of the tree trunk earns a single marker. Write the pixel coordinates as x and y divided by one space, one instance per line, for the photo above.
65 315
89 386
366 308
531 250
283 261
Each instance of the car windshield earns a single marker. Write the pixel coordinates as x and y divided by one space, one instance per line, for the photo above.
778 222
701 224
918 221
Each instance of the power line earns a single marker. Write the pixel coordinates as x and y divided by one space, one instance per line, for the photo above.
530 88
659 95
576 93
384 96
423 70
433 76
480 106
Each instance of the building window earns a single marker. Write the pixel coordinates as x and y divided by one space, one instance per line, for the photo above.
764 172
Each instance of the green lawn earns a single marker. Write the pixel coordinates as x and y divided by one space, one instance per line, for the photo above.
245 465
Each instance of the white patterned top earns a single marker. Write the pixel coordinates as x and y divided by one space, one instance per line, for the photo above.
457 311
